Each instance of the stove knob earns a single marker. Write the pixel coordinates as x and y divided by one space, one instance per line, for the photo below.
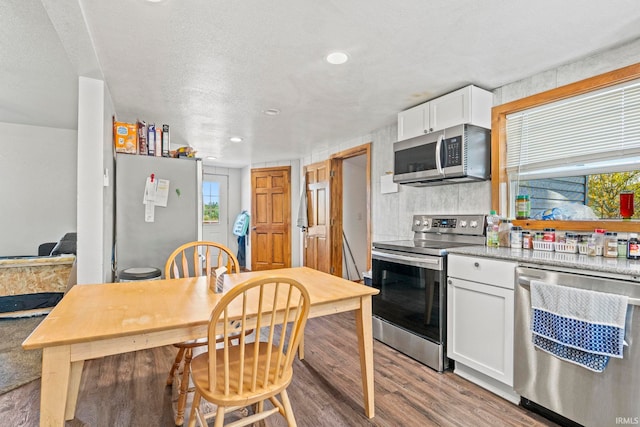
474 224
417 223
463 224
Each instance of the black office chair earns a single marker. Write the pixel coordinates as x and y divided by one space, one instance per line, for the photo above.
46 248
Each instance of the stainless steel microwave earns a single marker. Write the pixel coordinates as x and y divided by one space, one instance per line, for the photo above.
457 154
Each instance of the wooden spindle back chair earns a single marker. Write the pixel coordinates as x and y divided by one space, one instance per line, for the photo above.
197 258
236 376
194 259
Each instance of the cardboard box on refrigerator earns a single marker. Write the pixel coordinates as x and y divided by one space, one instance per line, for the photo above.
125 137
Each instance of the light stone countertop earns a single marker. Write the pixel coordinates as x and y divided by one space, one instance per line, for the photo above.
612 266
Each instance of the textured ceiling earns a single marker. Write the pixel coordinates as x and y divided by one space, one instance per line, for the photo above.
210 68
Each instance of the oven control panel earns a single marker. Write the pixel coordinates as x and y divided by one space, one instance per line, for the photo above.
454 224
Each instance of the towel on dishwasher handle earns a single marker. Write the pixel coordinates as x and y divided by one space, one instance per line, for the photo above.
580 326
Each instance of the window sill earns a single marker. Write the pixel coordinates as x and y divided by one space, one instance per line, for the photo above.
607 224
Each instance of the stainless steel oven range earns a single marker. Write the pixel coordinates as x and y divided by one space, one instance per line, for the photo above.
409 313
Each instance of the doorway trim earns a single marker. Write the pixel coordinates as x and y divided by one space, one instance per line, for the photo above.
336 203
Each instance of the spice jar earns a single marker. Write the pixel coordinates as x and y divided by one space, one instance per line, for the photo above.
516 237
523 206
571 238
610 244
549 235
527 240
633 247
591 245
599 238
622 248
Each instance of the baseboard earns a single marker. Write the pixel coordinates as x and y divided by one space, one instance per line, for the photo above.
486 382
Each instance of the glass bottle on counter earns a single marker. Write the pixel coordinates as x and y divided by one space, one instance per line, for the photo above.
504 233
493 222
516 237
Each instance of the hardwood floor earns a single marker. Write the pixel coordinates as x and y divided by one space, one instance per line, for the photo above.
129 390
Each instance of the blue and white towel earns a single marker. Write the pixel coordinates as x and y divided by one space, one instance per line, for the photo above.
580 326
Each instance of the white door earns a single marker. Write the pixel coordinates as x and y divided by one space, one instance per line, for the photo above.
215 225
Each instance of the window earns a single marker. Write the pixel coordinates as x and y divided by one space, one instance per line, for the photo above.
594 132
211 201
558 142
601 192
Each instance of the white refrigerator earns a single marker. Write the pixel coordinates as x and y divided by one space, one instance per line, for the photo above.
143 243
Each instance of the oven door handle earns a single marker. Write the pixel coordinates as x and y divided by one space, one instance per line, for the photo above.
433 263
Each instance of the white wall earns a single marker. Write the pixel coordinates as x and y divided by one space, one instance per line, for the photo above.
37 186
91 133
108 191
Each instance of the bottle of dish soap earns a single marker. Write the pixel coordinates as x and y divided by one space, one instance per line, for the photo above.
493 224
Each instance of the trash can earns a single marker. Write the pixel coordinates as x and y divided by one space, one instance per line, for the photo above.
367 278
136 274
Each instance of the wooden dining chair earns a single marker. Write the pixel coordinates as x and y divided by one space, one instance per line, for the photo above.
194 259
236 376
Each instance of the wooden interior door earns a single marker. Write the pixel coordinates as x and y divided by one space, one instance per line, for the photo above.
317 244
271 218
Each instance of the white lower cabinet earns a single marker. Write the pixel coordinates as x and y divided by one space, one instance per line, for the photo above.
480 319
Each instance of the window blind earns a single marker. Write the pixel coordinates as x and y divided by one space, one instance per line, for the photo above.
591 133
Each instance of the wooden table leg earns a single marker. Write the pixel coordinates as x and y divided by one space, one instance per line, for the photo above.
365 346
56 372
74 388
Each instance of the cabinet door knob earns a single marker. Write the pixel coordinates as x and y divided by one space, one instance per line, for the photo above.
426 131
430 129
476 264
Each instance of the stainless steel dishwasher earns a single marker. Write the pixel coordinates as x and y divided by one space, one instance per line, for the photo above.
609 398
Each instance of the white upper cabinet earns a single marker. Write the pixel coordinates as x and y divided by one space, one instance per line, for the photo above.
469 105
413 122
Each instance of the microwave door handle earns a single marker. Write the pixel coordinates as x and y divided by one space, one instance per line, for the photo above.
438 148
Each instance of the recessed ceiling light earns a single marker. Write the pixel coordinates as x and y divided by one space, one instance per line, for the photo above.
337 58
211 158
272 112
235 139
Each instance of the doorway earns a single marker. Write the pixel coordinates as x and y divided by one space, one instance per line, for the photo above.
354 217
361 156
339 209
215 219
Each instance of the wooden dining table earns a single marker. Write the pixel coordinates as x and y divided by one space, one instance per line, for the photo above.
98 320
